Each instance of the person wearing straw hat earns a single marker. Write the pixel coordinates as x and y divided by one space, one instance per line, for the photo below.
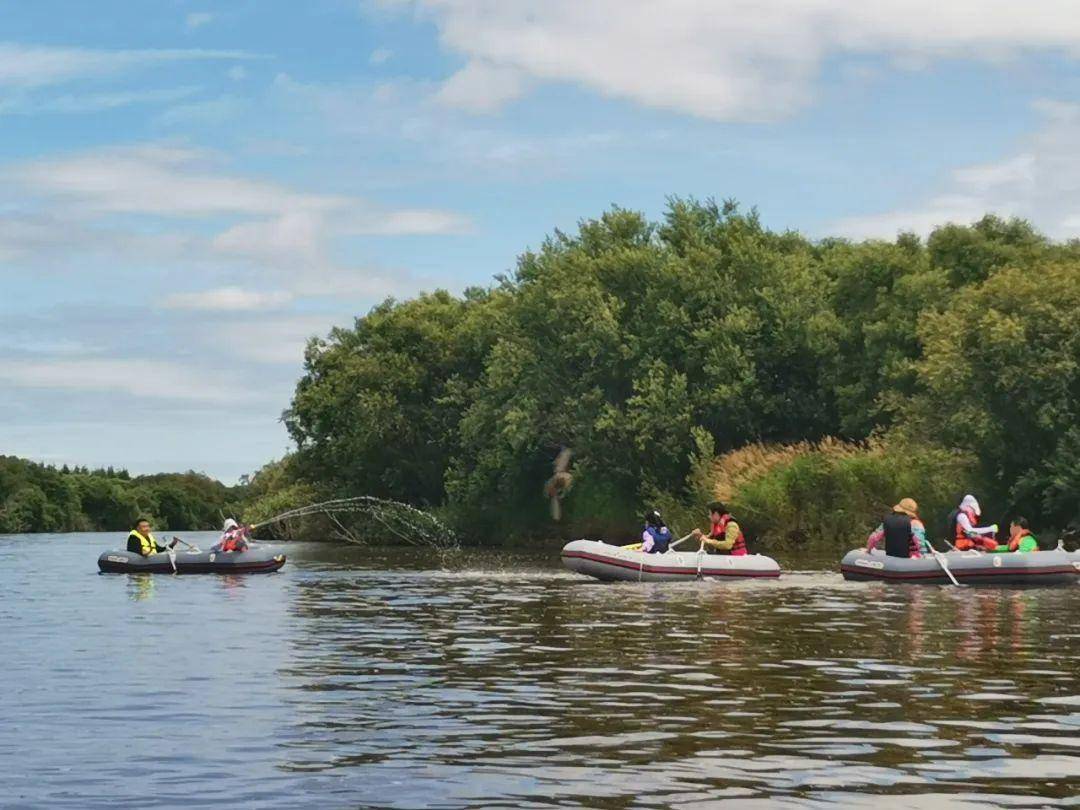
902 530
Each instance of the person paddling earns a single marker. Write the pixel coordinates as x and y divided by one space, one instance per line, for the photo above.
903 532
965 534
233 537
657 537
725 536
142 540
1020 538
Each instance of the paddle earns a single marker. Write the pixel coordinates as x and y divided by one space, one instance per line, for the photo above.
186 543
681 540
944 565
637 546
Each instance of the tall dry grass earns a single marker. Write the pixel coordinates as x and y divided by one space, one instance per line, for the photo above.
830 493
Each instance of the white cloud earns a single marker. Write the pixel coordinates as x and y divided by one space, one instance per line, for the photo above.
137 378
164 180
380 56
412 222
229 299
278 340
174 181
1039 182
27 66
482 87
201 215
197 19
733 60
237 73
93 102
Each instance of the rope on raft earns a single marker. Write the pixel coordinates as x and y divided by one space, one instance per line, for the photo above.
405 522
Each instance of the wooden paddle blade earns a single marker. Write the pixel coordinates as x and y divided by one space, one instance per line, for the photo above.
562 461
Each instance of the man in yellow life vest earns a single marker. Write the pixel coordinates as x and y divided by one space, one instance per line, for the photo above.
142 540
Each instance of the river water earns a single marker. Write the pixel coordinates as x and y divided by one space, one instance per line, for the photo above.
357 678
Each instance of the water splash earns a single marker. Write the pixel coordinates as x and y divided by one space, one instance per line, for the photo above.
405 522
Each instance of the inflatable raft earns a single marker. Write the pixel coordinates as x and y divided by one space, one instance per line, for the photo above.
613 563
256 559
1039 568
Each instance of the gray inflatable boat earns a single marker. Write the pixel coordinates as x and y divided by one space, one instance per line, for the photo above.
257 559
1039 568
614 563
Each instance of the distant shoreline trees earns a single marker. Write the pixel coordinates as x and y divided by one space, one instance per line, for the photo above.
41 498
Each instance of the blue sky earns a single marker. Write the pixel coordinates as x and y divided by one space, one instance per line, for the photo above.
188 190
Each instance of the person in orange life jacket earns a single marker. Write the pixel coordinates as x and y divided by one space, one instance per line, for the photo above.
233 537
142 540
902 531
725 536
1020 538
656 537
963 532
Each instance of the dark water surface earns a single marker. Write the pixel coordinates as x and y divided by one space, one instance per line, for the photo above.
391 679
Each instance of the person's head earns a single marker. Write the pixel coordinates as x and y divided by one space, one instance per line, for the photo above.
652 518
142 525
717 509
907 506
229 524
1018 524
969 502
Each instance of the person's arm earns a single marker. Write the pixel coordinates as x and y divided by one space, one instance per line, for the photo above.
876 536
646 542
974 531
918 530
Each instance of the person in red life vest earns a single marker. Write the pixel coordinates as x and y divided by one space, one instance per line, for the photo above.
903 532
965 535
233 537
1020 538
725 536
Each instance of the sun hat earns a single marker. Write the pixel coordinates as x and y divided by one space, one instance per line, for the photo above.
907 507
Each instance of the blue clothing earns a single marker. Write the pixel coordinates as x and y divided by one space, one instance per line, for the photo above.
655 540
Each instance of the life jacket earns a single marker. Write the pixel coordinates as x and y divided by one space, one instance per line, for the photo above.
139 544
660 538
1014 542
955 529
897 535
234 540
720 529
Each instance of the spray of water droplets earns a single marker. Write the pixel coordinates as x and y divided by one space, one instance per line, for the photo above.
378 516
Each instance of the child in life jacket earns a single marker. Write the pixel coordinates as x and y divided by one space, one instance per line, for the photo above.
963 531
656 537
233 537
1020 538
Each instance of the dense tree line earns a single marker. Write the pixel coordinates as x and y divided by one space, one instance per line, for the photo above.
666 355
642 345
41 498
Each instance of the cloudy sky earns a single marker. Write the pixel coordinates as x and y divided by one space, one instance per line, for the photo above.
188 190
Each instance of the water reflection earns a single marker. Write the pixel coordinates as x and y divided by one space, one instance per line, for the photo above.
140 587
356 679
550 690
